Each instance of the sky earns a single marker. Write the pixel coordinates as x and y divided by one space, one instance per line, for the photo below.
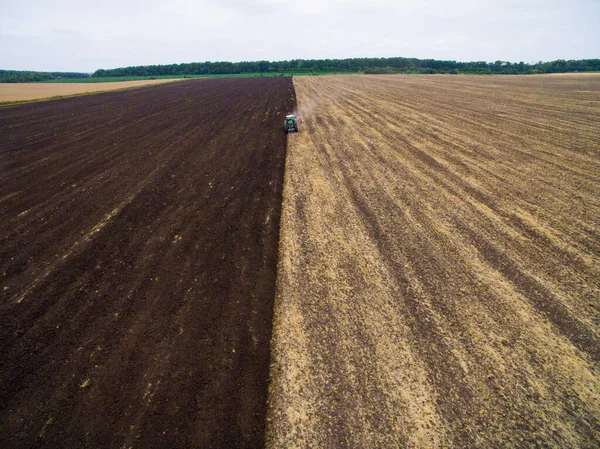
85 35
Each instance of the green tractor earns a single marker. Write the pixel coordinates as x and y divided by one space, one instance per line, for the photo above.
291 123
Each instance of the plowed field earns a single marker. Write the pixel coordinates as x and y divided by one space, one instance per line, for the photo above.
138 248
439 271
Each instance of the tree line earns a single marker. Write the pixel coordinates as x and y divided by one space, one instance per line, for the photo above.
355 65
19 76
299 66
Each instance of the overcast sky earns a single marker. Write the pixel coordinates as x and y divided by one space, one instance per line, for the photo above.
81 35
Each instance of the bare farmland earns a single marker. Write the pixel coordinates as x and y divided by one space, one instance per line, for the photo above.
439 271
138 250
37 91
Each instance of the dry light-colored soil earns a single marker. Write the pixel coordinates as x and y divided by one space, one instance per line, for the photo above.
37 91
439 271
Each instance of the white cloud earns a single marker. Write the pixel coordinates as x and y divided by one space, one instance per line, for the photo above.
81 35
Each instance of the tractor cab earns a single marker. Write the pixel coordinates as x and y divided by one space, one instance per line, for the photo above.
291 123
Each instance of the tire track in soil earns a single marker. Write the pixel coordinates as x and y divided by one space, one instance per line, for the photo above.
138 259
437 280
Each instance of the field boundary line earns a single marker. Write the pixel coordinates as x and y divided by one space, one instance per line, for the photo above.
83 94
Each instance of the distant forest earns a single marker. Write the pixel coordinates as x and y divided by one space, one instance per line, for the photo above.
18 76
356 65
318 66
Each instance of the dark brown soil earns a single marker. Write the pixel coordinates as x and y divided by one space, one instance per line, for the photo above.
138 254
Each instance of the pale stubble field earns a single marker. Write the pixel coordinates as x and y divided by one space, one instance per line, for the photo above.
439 266
20 92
